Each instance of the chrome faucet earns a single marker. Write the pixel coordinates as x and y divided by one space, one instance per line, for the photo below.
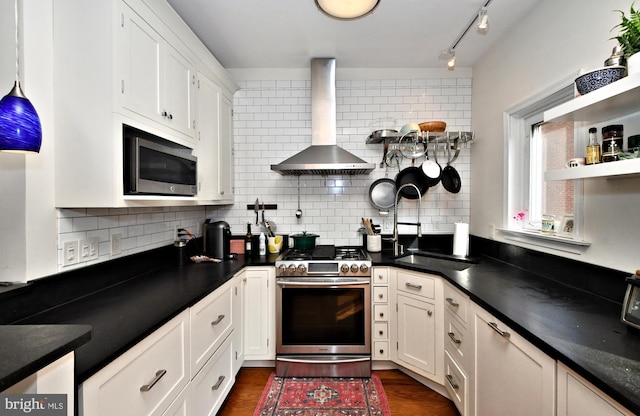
397 249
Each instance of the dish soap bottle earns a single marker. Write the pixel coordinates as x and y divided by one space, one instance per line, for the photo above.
593 149
263 245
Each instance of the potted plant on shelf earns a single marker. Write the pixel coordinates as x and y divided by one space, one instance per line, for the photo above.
629 38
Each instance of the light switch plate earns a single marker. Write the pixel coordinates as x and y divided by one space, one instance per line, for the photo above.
70 254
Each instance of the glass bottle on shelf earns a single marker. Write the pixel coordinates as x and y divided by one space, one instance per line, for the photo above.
593 149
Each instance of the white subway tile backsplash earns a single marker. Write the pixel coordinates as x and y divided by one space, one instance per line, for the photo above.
272 121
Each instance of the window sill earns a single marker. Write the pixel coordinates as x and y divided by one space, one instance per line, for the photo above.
553 241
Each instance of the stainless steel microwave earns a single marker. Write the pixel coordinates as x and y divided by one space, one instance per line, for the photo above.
154 166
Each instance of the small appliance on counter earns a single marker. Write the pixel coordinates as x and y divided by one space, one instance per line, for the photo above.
631 304
217 239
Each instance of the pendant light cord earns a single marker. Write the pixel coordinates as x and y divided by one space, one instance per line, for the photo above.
15 14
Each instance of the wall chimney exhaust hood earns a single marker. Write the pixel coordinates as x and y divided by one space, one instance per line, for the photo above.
323 157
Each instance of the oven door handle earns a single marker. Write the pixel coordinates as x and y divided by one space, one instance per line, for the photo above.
307 283
340 361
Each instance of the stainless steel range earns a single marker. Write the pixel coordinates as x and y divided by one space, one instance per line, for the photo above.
323 313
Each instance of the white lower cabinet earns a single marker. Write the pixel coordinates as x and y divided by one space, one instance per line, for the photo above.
211 324
258 318
578 397
186 367
146 378
210 387
418 323
511 376
380 313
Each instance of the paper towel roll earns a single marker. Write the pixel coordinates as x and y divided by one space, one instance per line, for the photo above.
461 239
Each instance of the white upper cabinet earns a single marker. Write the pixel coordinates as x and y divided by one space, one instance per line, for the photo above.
131 62
156 79
215 142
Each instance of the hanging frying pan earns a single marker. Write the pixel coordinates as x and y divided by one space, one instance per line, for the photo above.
413 175
382 192
432 169
450 177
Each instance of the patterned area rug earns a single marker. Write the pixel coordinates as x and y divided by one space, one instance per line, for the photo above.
288 396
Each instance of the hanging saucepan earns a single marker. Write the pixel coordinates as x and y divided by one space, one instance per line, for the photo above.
414 175
450 176
431 169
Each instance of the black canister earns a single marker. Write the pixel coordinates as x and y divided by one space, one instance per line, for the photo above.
180 248
612 138
217 240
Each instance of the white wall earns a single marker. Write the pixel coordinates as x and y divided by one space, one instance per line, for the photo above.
552 42
272 122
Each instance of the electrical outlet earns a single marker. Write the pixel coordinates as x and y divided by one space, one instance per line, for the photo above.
492 230
89 248
387 224
437 223
116 244
70 253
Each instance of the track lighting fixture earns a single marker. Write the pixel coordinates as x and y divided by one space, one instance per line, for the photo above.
347 9
483 21
482 18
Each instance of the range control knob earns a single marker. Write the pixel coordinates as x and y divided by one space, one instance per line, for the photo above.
282 269
354 268
302 269
292 268
344 268
364 268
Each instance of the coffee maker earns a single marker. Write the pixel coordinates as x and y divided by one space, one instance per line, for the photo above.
217 239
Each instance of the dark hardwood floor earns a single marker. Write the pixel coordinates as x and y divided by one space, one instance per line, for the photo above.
405 395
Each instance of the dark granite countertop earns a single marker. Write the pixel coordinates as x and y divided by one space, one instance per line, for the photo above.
570 324
25 349
578 328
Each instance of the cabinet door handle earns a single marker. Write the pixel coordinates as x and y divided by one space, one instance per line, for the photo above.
381 351
156 378
381 296
452 383
218 383
381 315
413 285
452 335
217 321
381 332
502 333
452 303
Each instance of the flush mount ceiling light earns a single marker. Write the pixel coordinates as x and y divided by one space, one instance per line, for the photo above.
483 27
347 9
20 129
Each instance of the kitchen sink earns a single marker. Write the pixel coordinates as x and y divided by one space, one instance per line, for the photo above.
436 261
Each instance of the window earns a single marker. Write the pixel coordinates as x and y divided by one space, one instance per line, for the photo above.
534 147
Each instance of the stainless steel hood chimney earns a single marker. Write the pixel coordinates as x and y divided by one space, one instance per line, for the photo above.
323 157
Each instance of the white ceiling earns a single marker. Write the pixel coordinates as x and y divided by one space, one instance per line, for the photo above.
399 33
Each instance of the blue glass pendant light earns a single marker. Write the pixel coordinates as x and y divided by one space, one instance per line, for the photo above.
20 129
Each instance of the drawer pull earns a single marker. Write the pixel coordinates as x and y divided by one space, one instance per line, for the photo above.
452 303
381 314
452 383
381 332
381 296
452 335
413 285
381 352
502 333
217 321
156 378
218 384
